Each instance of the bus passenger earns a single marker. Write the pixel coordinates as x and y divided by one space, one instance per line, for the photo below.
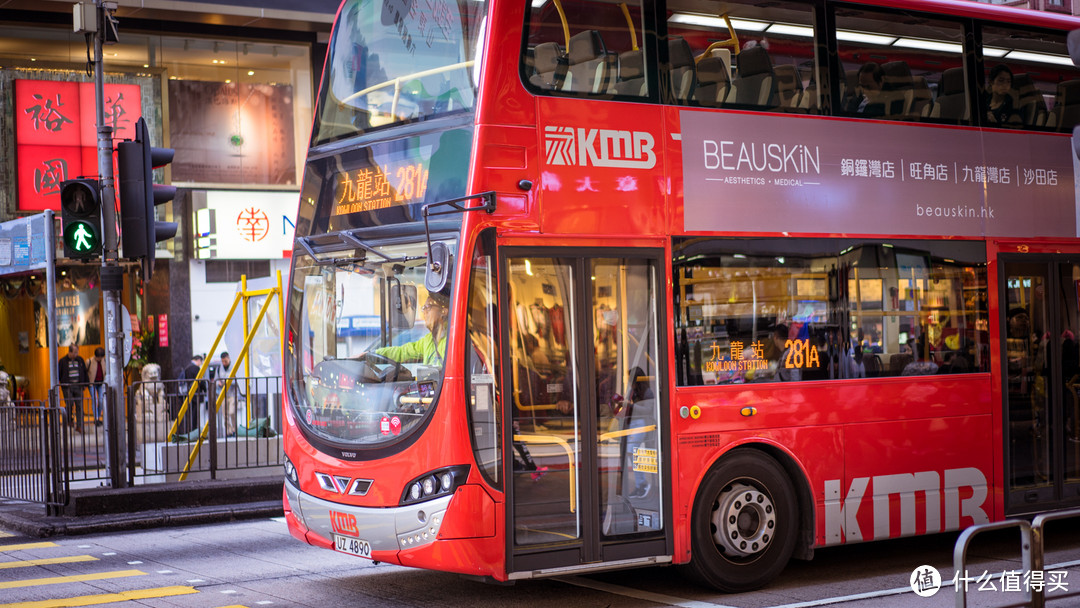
998 102
1020 354
866 100
431 348
784 346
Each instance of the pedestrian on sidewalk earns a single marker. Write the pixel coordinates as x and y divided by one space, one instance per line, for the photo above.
232 393
73 380
96 374
198 401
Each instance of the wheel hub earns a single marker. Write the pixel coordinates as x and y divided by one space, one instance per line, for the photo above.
744 520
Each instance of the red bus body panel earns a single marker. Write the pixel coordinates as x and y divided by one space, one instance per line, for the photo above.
935 459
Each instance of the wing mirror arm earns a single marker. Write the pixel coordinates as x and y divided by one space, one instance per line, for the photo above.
436 275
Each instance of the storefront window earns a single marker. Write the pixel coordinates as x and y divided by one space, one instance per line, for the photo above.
231 109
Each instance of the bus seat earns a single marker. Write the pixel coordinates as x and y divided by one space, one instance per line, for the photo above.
725 56
923 98
1031 106
897 88
756 83
898 362
809 100
550 66
951 103
631 80
872 365
591 68
788 85
848 86
681 61
1066 112
714 81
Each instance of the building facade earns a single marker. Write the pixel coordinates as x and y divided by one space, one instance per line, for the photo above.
230 87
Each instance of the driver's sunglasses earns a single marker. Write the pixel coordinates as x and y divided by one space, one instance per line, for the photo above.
429 305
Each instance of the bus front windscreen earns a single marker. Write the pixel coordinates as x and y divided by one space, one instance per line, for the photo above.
398 61
367 344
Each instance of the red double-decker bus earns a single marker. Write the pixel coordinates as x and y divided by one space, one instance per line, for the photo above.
582 285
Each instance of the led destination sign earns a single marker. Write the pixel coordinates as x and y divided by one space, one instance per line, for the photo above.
799 353
392 183
384 182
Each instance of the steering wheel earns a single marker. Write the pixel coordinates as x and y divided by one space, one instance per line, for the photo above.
392 373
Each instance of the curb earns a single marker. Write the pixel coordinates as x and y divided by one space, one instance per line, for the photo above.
46 527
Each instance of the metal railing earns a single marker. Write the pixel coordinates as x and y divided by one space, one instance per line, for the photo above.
33 453
1032 556
49 448
243 434
83 407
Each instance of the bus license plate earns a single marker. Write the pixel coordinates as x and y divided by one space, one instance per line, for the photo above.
352 546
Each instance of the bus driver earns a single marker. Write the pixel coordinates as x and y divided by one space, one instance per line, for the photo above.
431 348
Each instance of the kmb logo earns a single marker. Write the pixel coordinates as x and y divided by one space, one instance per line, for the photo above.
344 523
599 148
904 500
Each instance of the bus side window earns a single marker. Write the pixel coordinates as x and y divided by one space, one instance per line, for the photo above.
482 360
891 66
588 49
1045 92
766 60
909 308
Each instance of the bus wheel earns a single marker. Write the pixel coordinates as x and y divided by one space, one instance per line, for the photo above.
745 523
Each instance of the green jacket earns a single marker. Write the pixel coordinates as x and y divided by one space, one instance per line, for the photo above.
422 350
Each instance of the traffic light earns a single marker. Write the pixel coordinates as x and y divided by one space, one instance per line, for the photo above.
80 214
139 195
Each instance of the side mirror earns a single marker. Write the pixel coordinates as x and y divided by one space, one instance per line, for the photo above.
1073 42
402 306
438 267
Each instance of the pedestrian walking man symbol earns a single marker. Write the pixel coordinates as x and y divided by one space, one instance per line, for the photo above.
82 238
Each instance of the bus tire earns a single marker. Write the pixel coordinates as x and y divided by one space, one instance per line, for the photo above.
744 524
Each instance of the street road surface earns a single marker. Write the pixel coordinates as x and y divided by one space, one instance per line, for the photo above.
257 563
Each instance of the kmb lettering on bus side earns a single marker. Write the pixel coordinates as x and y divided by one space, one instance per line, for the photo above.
599 148
962 492
344 523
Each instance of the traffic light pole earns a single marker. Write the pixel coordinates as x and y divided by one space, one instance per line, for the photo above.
112 277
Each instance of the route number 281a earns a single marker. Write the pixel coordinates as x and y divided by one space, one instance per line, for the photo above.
801 355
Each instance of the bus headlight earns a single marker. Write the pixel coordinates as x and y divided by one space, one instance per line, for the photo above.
441 482
290 472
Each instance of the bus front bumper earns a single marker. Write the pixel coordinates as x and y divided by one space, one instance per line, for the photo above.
387 530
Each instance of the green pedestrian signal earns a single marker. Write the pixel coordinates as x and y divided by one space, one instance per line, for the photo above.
80 214
79 237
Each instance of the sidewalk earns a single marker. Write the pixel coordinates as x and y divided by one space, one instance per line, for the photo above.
102 510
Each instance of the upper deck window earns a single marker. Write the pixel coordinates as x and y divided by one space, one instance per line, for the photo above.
1030 81
586 47
743 54
399 61
901 67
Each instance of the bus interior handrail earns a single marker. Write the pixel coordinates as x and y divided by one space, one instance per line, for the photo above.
559 441
396 82
352 237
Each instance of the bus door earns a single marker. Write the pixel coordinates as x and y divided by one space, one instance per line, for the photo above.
588 469
1040 331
